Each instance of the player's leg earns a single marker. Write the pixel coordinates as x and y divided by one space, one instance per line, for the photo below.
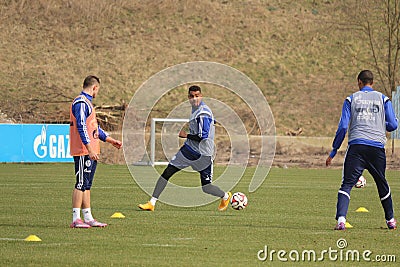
353 167
90 170
77 195
159 188
209 188
178 162
88 173
163 180
377 167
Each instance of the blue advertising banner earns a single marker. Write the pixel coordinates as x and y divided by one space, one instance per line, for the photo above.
34 143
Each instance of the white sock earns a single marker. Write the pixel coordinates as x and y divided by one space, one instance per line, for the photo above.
391 220
226 196
341 219
87 215
76 214
153 201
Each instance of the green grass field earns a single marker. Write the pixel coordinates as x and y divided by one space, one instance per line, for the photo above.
293 210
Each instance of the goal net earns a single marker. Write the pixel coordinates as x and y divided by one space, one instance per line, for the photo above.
164 140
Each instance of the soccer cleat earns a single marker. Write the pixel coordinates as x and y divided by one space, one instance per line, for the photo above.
392 225
148 206
340 226
78 223
223 205
95 223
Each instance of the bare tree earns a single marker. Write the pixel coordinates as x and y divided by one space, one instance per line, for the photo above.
392 20
387 69
379 21
384 41
376 23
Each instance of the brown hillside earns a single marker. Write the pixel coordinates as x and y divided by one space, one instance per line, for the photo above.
293 50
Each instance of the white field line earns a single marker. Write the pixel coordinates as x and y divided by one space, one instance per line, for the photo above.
161 245
38 243
11 239
183 238
169 245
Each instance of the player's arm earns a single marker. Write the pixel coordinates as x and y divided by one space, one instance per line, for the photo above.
341 131
102 134
194 137
105 137
184 134
390 116
205 121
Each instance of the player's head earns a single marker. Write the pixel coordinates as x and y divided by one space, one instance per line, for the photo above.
91 84
365 77
194 88
194 95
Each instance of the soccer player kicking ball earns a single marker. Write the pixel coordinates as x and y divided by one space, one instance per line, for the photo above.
197 152
85 134
368 114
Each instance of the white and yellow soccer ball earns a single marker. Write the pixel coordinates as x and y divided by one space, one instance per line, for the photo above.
238 201
361 182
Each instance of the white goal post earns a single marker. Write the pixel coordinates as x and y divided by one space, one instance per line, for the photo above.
153 162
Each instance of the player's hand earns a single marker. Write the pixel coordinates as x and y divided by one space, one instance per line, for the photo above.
182 134
328 161
117 144
93 156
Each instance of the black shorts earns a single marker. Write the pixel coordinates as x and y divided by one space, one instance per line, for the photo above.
202 164
84 172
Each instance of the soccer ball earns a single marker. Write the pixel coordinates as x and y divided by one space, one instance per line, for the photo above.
238 201
361 182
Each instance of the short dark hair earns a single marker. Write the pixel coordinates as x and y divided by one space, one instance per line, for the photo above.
194 88
366 77
90 80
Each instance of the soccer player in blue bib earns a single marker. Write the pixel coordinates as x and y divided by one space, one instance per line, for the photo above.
197 152
367 114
